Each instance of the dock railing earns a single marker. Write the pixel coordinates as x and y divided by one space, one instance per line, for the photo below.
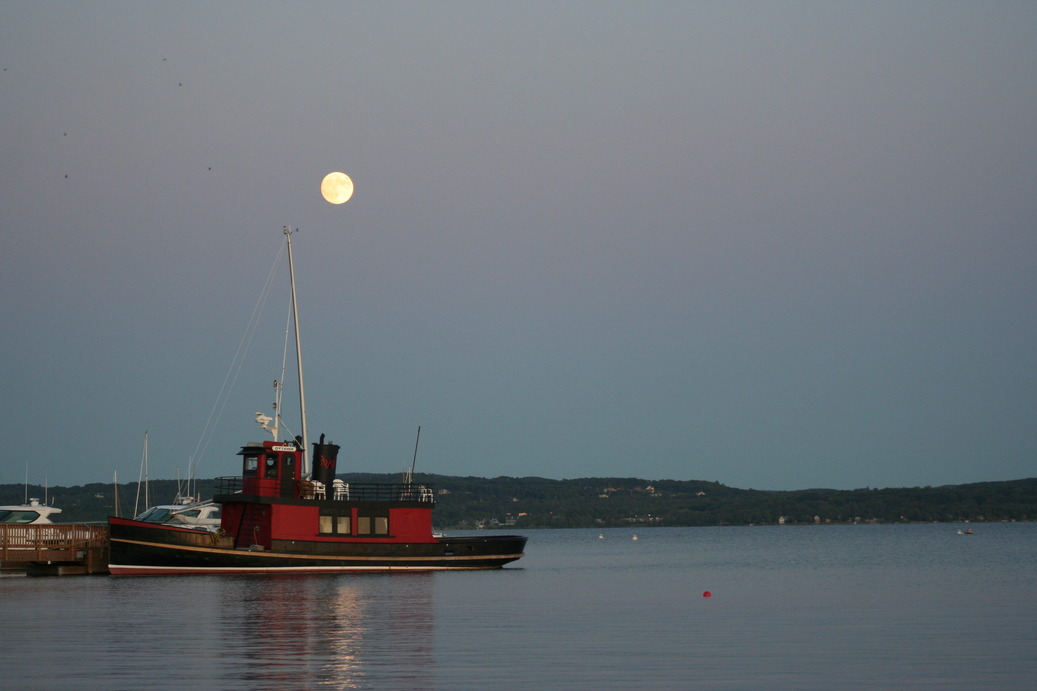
49 542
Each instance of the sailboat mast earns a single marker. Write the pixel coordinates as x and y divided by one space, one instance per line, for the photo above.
410 478
298 357
147 496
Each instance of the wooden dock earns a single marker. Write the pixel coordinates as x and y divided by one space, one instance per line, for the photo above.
56 549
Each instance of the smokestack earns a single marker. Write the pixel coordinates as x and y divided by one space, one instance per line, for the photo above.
325 458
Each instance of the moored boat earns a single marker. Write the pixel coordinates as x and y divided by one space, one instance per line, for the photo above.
274 522
187 513
30 513
279 517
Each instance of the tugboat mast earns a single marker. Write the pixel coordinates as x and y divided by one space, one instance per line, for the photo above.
298 356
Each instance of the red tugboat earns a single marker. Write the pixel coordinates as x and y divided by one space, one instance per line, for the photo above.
272 521
278 518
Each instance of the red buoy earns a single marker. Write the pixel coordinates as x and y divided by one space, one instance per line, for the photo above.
707 594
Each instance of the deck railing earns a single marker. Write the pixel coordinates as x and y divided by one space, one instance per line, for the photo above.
345 491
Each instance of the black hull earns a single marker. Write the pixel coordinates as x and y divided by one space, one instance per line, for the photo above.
143 549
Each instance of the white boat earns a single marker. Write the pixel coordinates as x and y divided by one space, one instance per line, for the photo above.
184 512
32 513
200 515
27 526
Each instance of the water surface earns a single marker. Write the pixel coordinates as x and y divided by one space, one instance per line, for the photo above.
797 607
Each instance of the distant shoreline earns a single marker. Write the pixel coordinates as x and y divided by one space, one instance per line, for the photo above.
531 502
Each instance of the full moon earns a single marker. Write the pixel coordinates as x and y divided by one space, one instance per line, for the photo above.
337 188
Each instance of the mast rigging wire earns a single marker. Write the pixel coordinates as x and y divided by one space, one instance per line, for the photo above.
237 361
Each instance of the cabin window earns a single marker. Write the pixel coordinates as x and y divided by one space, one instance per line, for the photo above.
334 524
18 516
375 523
271 465
251 468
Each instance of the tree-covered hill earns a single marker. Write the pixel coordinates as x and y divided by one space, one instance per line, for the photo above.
532 502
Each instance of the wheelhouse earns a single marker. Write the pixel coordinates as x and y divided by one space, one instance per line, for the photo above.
270 469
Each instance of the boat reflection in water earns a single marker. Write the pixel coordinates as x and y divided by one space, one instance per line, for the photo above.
358 632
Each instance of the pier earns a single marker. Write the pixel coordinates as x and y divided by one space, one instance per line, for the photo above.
54 549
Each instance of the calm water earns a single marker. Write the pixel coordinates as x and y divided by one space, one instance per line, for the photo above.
848 607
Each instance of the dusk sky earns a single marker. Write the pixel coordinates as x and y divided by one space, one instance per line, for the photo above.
776 245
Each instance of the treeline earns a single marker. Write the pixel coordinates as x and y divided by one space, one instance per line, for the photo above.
609 502
532 502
